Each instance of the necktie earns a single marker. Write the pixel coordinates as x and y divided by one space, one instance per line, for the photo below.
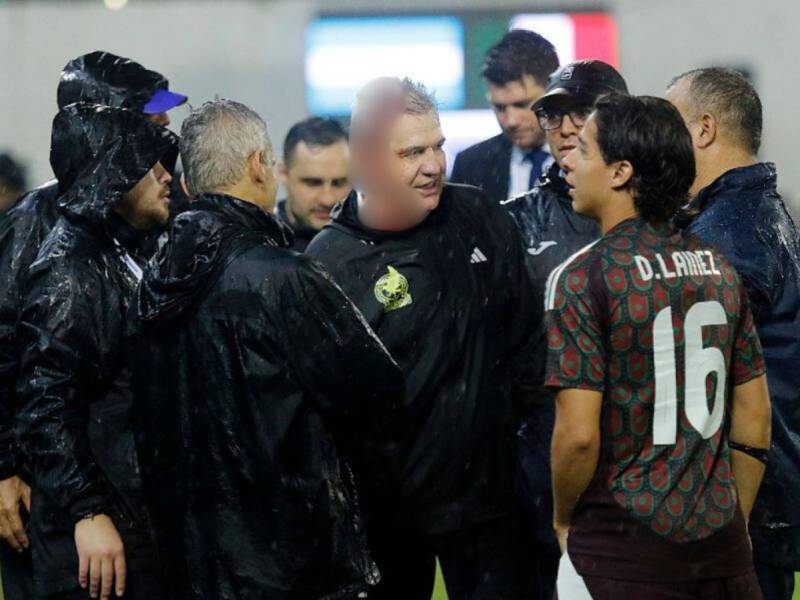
537 159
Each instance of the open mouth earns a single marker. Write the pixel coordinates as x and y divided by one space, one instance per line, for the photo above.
567 148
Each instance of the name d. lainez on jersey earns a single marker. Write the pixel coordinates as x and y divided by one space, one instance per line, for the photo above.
677 264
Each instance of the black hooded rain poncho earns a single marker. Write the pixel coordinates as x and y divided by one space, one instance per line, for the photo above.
254 377
99 78
73 386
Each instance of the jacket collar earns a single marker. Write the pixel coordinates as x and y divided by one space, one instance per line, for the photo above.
247 215
554 179
760 175
345 217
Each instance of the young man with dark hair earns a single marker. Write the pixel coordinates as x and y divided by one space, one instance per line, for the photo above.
737 208
662 409
315 172
552 232
516 72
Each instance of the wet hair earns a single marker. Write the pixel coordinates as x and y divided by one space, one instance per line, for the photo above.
519 53
216 140
730 98
386 96
314 131
650 134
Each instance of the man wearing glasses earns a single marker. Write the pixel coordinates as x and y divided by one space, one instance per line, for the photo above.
553 232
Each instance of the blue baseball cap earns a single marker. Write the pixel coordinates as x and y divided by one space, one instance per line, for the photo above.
162 101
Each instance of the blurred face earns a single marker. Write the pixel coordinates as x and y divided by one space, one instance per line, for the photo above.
511 104
146 205
159 119
316 179
563 138
590 178
416 161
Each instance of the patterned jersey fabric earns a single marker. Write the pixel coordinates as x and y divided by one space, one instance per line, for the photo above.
660 324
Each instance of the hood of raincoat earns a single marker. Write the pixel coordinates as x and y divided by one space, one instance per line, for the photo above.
105 78
98 153
203 241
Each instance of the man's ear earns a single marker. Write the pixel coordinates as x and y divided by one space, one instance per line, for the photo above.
705 131
621 174
255 168
185 187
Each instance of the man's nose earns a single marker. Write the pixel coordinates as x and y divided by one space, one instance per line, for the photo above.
568 126
430 164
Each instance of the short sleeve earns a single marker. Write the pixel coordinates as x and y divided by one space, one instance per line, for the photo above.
748 358
575 350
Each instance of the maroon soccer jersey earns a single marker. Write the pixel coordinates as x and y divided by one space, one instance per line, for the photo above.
660 324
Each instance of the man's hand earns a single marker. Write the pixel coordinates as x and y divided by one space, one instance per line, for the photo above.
13 492
562 532
101 556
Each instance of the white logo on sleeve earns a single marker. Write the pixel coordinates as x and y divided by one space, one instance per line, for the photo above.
477 256
541 247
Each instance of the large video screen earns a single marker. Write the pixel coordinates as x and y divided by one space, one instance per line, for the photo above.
342 54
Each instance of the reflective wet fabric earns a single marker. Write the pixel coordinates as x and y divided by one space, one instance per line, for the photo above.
743 215
73 387
104 78
97 77
254 378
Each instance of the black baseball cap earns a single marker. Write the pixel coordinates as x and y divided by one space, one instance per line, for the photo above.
584 81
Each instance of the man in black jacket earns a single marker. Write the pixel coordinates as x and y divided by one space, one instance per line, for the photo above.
88 524
552 232
439 273
253 375
737 208
516 73
101 78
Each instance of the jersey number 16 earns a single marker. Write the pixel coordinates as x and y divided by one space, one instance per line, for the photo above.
700 362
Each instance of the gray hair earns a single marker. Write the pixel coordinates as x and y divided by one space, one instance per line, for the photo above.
216 140
730 99
378 97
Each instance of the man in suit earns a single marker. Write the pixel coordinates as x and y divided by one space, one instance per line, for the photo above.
516 72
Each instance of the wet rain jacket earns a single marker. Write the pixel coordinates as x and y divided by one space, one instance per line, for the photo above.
550 229
551 232
254 374
22 230
73 387
99 78
743 215
451 300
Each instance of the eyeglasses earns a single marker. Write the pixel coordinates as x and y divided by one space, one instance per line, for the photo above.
550 120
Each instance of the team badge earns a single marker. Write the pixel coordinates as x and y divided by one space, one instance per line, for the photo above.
391 290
